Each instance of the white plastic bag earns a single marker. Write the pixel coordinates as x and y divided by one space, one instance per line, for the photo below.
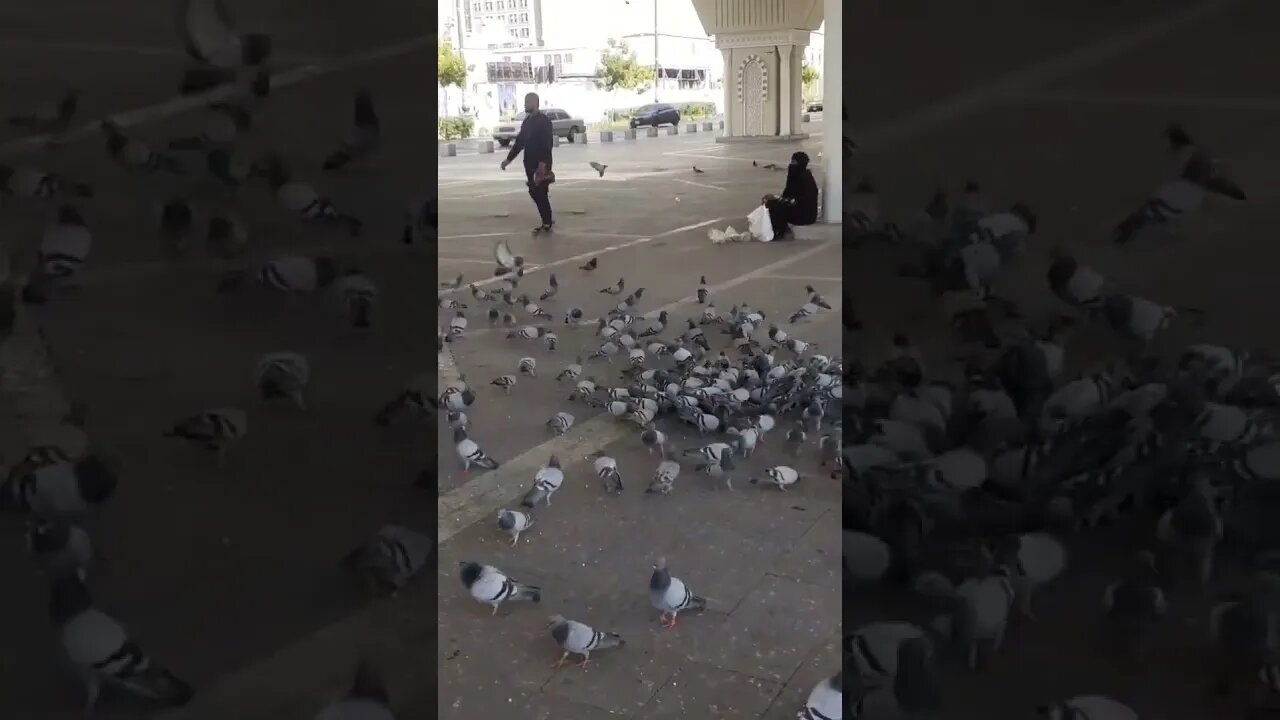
759 224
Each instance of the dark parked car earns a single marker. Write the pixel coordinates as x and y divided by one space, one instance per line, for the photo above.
814 106
655 115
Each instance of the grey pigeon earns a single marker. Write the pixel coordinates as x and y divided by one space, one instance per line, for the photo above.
391 557
579 639
489 585
670 595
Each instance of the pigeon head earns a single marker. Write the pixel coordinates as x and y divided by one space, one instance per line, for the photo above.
95 479
68 104
506 519
256 48
68 597
176 214
1023 211
469 572
726 461
69 215
364 112
261 85
326 270
48 537
1177 136
368 684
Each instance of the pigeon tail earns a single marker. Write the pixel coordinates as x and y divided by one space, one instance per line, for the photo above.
337 160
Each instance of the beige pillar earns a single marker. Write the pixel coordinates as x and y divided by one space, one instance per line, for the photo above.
832 115
729 80
784 89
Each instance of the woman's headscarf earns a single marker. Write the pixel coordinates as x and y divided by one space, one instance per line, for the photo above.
800 159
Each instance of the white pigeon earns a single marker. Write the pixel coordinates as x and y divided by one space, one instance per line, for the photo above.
545 482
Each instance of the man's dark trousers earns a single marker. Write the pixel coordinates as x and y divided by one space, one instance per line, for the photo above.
538 191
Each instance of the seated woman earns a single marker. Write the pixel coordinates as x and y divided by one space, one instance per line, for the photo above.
799 202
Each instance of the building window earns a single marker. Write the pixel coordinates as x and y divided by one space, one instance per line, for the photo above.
514 33
506 58
524 17
488 6
511 18
559 65
568 58
499 4
546 60
524 32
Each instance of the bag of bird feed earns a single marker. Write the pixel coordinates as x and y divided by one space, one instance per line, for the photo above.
759 224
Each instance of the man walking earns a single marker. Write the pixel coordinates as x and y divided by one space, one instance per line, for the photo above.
534 139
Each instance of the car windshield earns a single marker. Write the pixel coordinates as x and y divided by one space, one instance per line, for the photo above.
646 109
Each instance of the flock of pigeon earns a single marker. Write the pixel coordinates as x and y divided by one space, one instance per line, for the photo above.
57 485
730 378
968 482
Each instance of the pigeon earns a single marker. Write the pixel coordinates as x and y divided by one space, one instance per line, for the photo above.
514 522
366 700
210 38
670 595
28 183
506 382
571 371
528 366
489 585
215 429
825 701
1134 604
283 375
177 223
607 470
302 200
507 262
134 154
61 490
590 265
230 168
617 289
579 639
696 171
560 423
545 483
598 167
470 453
866 557
224 124
52 120
358 294
1169 204
781 476
101 650
64 248
288 273
1186 151
60 548
363 136
391 557
664 478
1194 527
554 287
703 291
720 468
457 283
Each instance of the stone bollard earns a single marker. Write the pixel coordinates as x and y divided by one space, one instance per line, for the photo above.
486 146
721 124
691 127
805 118
673 130
555 141
629 134
651 131
606 136
580 139
708 126
449 150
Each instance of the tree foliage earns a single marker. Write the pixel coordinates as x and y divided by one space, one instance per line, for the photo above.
808 75
619 69
450 68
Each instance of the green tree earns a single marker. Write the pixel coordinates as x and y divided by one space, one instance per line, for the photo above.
450 69
808 78
619 69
